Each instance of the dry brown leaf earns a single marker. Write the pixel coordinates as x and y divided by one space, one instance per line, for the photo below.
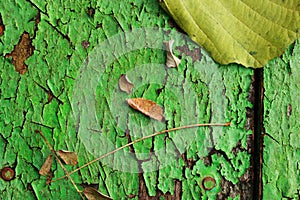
46 166
146 107
69 157
172 60
125 84
93 194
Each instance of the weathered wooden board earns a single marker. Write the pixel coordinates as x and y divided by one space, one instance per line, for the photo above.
281 155
59 83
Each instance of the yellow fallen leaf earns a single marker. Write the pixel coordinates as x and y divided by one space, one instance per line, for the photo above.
238 31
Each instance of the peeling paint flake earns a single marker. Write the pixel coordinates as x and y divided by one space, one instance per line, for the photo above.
21 52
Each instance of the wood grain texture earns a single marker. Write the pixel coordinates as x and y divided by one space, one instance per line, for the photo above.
198 91
281 156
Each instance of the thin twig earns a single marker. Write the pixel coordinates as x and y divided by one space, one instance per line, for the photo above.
138 140
60 163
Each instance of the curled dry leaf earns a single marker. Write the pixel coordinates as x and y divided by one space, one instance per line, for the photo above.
69 157
46 166
172 60
125 84
146 107
93 194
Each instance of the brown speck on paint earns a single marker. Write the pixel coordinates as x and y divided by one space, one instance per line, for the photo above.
289 110
85 44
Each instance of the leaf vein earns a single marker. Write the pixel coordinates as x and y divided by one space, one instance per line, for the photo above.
231 36
247 26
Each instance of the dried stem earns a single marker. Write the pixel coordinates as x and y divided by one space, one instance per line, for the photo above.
60 163
138 140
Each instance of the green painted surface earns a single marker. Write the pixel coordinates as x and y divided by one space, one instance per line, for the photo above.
281 166
199 91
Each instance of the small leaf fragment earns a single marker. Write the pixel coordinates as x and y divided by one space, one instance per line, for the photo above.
69 157
93 194
172 60
45 169
147 107
125 84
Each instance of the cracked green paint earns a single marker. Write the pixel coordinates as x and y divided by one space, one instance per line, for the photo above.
281 154
55 64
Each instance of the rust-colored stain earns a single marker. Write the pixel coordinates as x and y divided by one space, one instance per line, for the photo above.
196 54
21 52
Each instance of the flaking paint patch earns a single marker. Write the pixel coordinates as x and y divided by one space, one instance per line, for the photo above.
21 52
281 119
